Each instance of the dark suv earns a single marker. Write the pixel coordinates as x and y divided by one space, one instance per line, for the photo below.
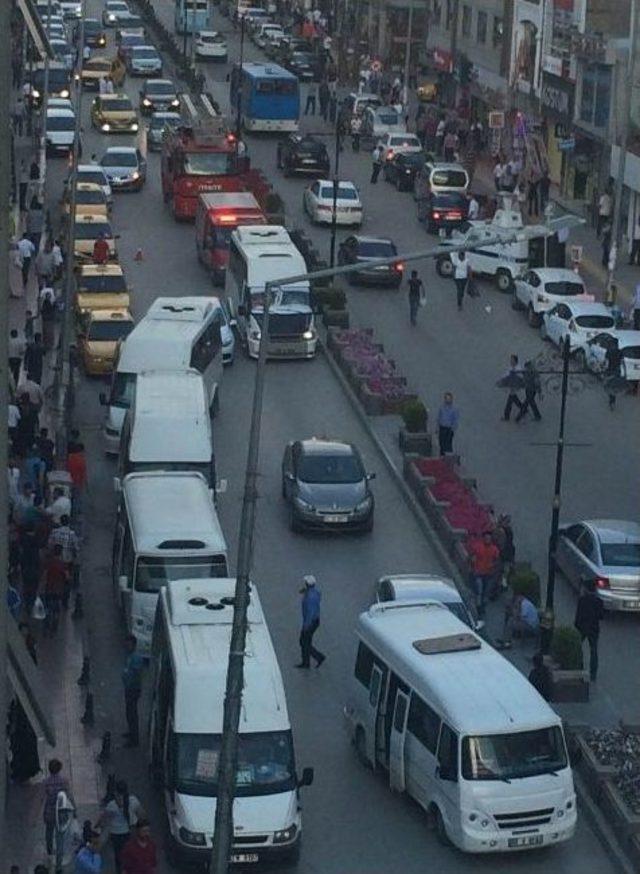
304 65
445 209
357 249
303 154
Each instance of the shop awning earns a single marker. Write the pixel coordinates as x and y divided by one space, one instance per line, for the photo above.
37 31
28 686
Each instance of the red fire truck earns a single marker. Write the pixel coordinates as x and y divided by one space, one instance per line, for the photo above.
199 158
218 215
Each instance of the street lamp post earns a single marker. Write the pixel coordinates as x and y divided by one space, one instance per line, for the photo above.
239 90
336 178
407 56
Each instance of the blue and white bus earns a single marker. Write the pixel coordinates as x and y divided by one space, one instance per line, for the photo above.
268 97
192 16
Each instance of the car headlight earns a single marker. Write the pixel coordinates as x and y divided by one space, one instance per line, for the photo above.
146 102
134 126
364 505
286 835
105 127
135 175
112 17
196 839
64 93
35 94
175 102
309 335
302 504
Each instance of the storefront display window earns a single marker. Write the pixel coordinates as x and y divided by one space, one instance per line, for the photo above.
596 96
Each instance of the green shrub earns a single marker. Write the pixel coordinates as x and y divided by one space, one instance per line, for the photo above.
273 203
566 648
331 298
414 416
523 580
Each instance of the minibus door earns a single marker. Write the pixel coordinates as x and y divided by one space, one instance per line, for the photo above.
377 695
396 742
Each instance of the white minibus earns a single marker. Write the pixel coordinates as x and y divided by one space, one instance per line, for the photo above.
189 659
168 426
181 333
458 728
259 254
167 528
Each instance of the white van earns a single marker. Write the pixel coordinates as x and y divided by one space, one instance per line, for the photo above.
167 528
189 660
181 333
168 427
459 729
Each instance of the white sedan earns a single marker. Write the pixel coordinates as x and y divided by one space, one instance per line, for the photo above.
578 321
211 44
396 144
318 203
629 344
537 291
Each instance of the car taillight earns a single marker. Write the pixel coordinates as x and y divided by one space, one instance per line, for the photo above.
436 215
398 267
389 154
602 583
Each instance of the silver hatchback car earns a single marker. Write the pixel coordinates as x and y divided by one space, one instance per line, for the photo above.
608 552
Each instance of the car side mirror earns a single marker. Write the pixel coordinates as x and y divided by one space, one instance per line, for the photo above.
102 398
371 476
123 583
307 777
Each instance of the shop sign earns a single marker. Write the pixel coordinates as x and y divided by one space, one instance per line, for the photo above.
567 145
556 95
496 120
552 64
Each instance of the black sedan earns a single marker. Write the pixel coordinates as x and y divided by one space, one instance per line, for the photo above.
303 154
401 171
158 95
94 35
447 209
304 65
357 249
326 486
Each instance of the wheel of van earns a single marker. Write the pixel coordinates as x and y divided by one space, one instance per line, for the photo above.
516 303
444 267
441 829
504 281
533 318
361 748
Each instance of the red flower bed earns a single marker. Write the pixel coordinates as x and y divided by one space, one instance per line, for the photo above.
392 388
463 511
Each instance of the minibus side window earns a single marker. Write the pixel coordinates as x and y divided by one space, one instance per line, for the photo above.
364 665
423 723
448 754
127 556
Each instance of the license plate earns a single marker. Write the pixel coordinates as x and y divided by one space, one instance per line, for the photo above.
239 858
335 519
531 841
116 179
632 605
308 161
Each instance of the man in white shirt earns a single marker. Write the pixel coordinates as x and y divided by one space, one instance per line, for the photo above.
461 271
86 53
17 347
474 209
60 507
605 205
102 85
377 163
27 250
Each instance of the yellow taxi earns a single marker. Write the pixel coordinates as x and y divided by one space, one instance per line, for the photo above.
101 287
114 114
99 335
90 200
99 67
88 229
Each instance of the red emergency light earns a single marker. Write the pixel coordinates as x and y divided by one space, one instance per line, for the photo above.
228 218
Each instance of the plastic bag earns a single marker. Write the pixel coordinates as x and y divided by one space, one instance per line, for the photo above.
38 610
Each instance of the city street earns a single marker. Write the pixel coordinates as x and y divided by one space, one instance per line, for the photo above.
352 822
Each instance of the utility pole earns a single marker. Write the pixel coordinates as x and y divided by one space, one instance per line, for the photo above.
407 56
239 85
336 178
228 762
454 51
5 183
45 105
634 31
193 33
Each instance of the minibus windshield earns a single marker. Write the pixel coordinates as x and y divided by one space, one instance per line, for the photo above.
265 764
512 756
152 573
122 390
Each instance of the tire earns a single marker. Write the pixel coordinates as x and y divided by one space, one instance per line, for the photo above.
368 528
294 524
516 304
398 183
441 829
360 745
504 281
444 268
533 318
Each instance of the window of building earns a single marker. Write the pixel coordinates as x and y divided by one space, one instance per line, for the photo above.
449 14
596 96
436 12
482 27
466 20
498 31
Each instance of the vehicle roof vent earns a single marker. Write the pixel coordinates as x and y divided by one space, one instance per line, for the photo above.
181 544
450 643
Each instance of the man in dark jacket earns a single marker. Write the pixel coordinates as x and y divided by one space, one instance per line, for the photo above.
532 387
540 676
34 359
310 622
589 612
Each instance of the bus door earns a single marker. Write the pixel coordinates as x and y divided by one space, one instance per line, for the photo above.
377 697
395 685
396 741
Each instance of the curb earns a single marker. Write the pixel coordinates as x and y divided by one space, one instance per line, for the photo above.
592 813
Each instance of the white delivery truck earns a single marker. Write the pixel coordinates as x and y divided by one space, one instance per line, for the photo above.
458 728
189 659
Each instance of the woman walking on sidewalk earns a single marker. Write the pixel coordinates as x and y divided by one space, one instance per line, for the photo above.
53 784
123 811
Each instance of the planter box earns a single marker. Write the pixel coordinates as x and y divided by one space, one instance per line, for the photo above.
593 773
373 403
625 823
394 406
335 318
570 686
416 442
634 851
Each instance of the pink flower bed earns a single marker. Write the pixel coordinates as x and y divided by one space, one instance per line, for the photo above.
392 388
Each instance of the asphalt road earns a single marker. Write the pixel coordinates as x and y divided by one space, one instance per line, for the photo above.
352 822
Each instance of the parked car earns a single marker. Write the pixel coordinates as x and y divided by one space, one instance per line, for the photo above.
395 144
100 333
594 352
425 587
380 120
144 61
359 250
318 203
304 65
113 11
437 176
61 130
158 95
539 290
606 551
159 123
114 113
62 52
355 105
211 45
125 168
94 173
71 8
578 321
326 486
90 200
87 229
303 153
446 210
266 30
402 169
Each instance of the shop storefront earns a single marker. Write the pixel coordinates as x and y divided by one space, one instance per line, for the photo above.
557 102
